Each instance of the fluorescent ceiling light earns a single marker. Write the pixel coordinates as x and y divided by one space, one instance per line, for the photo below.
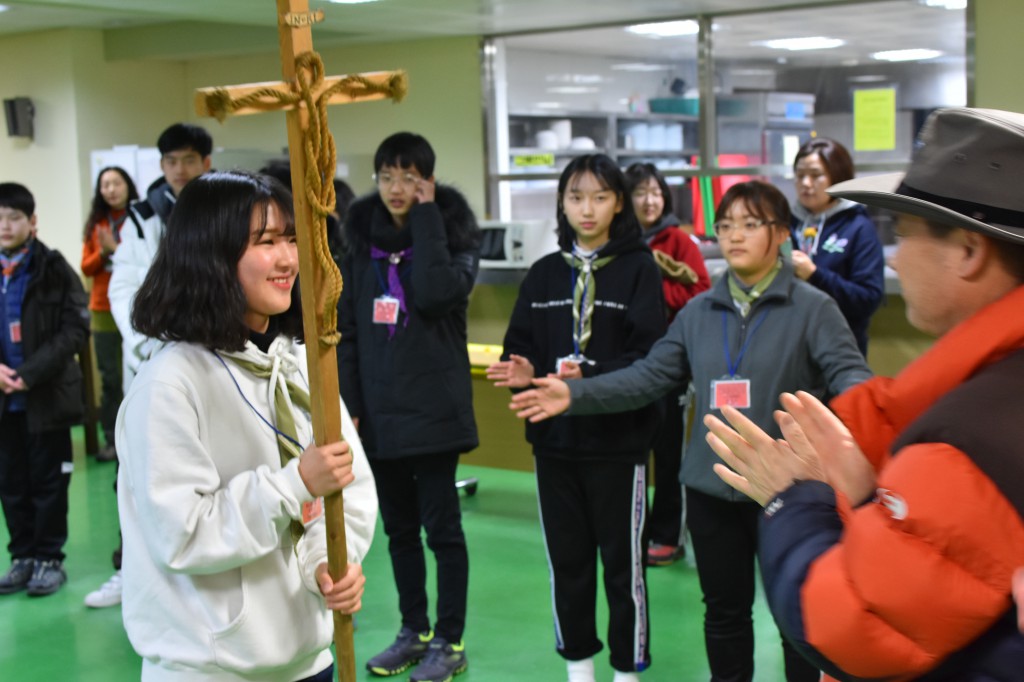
572 90
4 8
868 78
549 105
753 72
945 4
665 29
811 43
574 78
913 55
641 66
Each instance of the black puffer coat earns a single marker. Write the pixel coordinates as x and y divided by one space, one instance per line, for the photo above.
54 327
412 392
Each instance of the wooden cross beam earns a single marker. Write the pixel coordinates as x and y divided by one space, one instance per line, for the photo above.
304 95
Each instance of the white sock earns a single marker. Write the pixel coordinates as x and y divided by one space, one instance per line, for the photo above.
581 671
625 677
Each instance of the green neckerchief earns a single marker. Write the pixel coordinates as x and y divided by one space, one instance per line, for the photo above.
285 419
745 299
584 294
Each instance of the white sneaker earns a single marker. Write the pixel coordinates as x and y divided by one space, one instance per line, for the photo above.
108 594
581 671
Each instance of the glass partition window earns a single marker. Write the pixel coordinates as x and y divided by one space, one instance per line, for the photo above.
865 74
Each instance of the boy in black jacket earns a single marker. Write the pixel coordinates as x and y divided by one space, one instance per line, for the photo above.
44 321
413 249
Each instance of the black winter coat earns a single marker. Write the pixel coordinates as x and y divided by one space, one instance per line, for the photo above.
54 328
629 316
412 393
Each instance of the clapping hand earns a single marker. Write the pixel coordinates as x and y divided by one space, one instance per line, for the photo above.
816 446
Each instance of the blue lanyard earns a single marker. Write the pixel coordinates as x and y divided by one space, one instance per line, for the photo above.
380 278
725 341
266 421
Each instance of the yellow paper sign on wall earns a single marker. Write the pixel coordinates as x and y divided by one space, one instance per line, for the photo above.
520 160
874 119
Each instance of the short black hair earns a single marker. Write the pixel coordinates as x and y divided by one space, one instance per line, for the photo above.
639 173
185 136
406 150
610 177
13 195
192 293
1010 253
764 201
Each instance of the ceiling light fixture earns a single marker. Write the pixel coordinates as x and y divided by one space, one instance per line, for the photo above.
641 66
4 8
666 29
810 43
945 4
578 78
572 90
912 55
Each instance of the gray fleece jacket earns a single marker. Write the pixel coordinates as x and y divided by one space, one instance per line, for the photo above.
796 340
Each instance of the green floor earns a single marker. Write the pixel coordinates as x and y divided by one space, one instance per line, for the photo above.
509 632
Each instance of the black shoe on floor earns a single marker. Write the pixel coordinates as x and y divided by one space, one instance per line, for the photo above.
408 648
17 576
48 577
444 660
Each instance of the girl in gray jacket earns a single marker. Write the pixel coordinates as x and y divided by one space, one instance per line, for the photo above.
758 332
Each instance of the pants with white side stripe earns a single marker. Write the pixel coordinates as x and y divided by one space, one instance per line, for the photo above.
592 508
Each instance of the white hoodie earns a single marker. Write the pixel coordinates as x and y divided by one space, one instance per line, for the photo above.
214 588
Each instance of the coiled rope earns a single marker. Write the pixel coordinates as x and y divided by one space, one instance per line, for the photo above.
319 153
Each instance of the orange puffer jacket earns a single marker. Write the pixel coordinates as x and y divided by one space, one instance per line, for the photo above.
892 589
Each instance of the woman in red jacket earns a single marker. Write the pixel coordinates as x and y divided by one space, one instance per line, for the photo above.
114 191
683 276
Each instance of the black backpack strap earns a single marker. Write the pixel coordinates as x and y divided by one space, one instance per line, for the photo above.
140 210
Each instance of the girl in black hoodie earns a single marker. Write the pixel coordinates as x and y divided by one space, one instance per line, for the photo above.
593 307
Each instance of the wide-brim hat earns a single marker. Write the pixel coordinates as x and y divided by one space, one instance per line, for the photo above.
967 171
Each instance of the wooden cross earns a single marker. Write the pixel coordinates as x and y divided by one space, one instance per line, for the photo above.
304 95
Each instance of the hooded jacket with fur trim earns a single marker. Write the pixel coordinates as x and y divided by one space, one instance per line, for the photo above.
411 390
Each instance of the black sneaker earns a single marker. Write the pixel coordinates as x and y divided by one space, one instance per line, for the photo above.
48 577
17 576
444 660
408 648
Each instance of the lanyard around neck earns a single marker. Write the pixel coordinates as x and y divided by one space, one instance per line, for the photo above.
733 368
252 407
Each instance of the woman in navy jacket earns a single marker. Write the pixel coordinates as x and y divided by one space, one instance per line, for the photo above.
835 244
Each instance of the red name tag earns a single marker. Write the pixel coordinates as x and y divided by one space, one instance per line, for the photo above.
15 331
311 511
385 310
731 392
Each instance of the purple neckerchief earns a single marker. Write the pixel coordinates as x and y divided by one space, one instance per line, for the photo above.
394 281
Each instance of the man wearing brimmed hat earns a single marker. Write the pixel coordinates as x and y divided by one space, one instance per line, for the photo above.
892 527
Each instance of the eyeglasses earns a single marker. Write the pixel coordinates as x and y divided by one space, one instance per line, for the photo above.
405 180
748 227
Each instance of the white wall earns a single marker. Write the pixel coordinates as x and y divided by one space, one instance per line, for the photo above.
85 102
82 102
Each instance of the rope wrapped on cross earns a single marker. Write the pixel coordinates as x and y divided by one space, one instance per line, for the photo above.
319 151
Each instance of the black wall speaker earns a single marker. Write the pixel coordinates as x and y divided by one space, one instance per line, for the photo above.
19 112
